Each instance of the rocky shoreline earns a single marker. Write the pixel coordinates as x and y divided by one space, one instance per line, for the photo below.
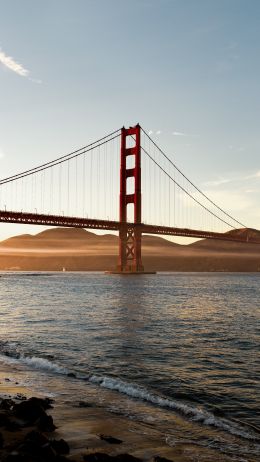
27 434
40 423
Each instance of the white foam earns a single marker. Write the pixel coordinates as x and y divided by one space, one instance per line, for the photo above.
35 362
134 391
196 414
43 364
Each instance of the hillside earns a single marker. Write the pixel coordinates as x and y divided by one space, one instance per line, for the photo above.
213 245
78 249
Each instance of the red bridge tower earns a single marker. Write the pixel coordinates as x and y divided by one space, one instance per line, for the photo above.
130 260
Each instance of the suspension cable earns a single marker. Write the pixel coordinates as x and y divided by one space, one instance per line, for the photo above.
61 159
197 189
58 161
184 190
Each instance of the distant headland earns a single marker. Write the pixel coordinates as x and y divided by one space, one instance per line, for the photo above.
81 250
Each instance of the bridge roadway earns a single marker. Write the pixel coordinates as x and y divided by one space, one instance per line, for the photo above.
108 225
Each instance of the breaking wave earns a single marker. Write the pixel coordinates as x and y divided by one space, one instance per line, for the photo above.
196 414
11 356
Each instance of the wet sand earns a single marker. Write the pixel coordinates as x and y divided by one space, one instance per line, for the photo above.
81 427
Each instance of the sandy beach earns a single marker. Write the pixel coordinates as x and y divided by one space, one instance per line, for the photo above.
81 425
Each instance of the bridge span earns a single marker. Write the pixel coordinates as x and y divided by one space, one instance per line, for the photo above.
109 225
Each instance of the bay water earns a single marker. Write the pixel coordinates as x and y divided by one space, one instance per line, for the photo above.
164 348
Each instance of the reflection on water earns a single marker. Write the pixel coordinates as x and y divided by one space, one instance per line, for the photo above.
189 339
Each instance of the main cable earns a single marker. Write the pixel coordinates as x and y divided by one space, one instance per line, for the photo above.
59 160
197 189
184 190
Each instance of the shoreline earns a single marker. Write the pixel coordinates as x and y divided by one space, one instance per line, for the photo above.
81 425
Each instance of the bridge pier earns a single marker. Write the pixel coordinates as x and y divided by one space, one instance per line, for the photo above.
130 237
130 259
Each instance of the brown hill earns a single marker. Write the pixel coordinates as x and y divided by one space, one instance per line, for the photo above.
74 238
78 249
215 245
56 238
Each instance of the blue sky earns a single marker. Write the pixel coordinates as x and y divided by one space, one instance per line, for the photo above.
189 70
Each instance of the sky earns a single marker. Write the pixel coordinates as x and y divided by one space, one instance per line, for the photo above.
188 71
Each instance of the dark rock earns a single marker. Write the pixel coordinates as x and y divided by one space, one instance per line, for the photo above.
45 403
37 438
37 451
6 404
33 410
29 448
20 397
7 380
110 439
4 419
12 426
101 457
45 423
47 452
71 374
60 446
37 445
60 458
161 459
49 402
29 410
218 412
126 458
84 404
17 458
97 457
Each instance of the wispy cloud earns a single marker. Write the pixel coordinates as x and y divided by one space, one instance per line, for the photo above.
154 132
179 134
236 148
233 178
254 175
218 182
10 63
184 134
13 65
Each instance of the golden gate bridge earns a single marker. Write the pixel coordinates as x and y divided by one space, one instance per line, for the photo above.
81 190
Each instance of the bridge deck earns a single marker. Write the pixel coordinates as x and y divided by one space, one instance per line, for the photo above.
107 225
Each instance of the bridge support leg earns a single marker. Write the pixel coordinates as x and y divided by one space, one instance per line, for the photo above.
130 260
130 238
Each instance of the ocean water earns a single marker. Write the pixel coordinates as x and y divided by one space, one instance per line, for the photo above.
179 351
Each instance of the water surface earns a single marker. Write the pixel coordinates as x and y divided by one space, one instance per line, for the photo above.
155 347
